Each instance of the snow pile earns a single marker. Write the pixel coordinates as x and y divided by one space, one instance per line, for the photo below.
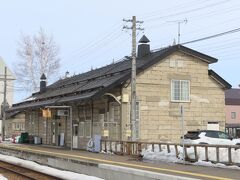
156 155
2 177
45 169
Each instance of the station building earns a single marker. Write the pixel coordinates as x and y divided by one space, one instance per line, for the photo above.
232 102
98 102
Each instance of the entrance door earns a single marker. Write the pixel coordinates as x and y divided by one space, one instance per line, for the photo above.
75 136
238 133
53 133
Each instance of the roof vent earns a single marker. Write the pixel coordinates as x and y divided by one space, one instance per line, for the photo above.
143 47
43 83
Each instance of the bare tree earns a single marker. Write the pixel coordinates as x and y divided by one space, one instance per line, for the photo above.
39 54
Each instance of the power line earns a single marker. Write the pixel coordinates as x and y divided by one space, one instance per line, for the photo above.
188 11
181 5
213 36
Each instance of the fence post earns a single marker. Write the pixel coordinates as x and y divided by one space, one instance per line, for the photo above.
186 155
160 147
229 155
121 147
101 149
168 148
206 153
105 145
110 146
139 147
152 147
116 146
195 153
176 150
217 154
129 149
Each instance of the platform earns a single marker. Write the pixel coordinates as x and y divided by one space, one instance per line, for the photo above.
109 166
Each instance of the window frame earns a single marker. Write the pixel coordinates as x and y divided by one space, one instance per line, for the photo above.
233 115
81 127
172 90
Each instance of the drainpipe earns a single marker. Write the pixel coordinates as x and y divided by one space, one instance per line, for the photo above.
92 119
71 126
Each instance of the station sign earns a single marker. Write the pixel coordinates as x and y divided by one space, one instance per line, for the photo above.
46 113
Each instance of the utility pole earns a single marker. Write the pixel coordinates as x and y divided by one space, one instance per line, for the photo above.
133 76
179 27
182 121
4 102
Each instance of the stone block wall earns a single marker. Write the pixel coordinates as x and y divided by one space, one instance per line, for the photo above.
159 117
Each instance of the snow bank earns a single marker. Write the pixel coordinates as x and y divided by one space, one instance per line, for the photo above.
2 177
45 169
148 154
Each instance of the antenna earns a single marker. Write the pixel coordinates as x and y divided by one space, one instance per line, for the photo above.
179 26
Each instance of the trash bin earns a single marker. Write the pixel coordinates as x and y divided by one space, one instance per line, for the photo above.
24 138
30 139
37 140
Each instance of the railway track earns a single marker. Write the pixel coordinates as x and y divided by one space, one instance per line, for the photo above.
14 172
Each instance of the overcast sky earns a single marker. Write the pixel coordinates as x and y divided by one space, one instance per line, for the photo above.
90 34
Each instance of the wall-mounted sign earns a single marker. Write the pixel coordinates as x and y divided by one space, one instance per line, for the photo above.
46 113
105 133
128 133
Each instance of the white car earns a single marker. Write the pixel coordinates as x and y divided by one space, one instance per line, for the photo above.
209 137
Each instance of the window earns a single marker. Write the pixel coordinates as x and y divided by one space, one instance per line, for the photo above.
223 135
84 112
233 115
212 134
172 63
87 129
81 129
180 90
17 126
75 129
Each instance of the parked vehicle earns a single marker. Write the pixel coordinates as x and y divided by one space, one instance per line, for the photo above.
209 137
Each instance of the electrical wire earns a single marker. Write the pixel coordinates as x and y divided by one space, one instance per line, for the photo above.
187 11
213 36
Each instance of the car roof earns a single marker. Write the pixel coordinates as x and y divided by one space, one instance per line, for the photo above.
199 131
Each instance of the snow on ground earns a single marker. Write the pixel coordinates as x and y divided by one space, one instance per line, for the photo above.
45 169
171 157
2 177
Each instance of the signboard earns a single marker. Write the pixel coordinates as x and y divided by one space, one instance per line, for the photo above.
46 113
128 133
105 133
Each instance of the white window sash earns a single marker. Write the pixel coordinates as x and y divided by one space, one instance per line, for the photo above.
179 92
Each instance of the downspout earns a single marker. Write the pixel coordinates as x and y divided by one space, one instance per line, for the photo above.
92 118
121 93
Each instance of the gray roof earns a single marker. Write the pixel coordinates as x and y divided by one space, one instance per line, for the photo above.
95 83
232 96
